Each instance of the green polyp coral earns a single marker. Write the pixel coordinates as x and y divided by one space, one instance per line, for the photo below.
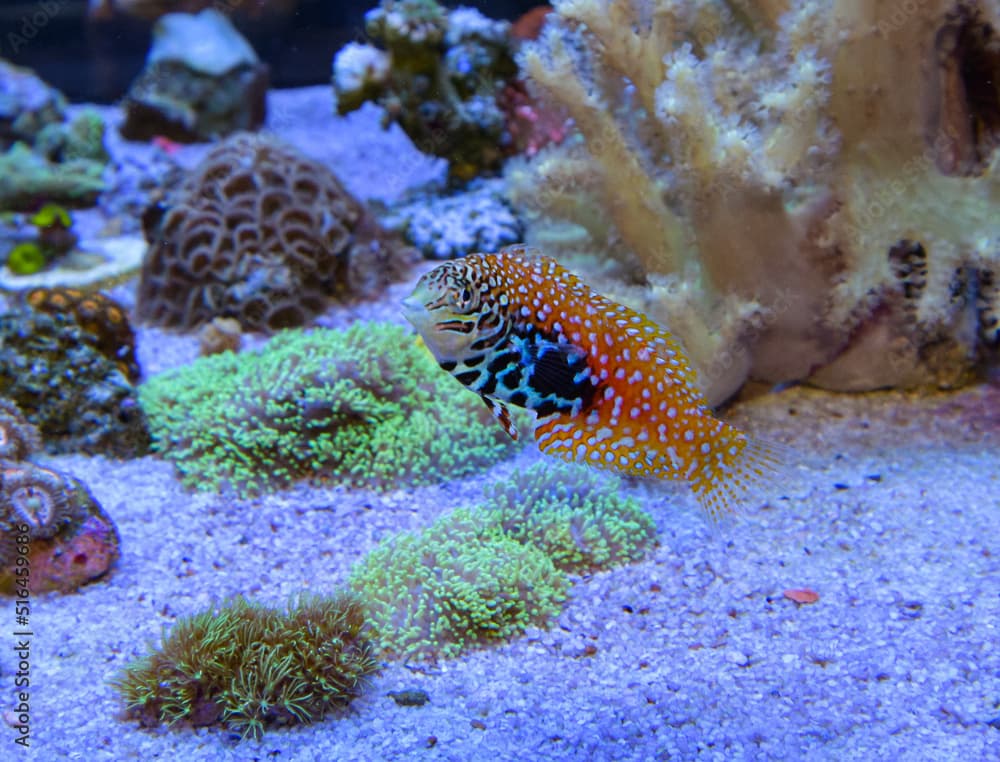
51 238
572 513
26 258
799 190
457 584
250 667
366 407
51 215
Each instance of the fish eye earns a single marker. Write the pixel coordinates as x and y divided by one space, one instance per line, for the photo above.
463 299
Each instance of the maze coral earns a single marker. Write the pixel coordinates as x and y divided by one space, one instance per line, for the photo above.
250 667
366 406
262 234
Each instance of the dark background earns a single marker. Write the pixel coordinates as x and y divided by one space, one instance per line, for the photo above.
93 60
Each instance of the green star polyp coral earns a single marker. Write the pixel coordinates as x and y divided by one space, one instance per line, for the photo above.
251 667
572 513
457 584
365 407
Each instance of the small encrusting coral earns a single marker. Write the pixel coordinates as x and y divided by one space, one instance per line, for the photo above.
103 320
458 584
78 397
202 81
53 534
264 235
250 667
365 407
803 190
439 77
476 219
573 514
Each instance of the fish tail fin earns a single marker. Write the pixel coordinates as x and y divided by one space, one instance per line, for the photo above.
746 468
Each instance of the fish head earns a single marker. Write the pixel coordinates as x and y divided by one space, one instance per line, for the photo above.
446 307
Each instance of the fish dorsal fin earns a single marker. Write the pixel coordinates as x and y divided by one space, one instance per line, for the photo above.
502 414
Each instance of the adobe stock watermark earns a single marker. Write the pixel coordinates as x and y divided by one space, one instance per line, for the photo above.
19 716
32 22
901 14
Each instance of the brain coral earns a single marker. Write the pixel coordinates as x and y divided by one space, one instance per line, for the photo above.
572 513
367 406
264 235
456 584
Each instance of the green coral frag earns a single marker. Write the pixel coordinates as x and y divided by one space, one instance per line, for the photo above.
482 575
457 584
251 667
366 406
572 513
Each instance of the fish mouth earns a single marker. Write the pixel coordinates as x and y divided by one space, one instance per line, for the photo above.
414 310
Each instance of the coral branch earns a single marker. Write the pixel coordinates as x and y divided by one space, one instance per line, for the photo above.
779 157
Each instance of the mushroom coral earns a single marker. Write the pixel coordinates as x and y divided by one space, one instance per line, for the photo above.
802 190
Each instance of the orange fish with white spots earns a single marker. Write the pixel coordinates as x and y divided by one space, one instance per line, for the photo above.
609 387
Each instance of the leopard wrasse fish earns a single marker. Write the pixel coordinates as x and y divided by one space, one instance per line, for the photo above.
609 387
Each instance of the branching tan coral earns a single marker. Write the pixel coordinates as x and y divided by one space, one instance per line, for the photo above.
634 199
787 165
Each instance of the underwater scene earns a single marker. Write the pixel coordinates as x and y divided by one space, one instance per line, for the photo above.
602 380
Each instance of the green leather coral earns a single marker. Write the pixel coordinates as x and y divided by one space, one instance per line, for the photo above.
250 667
573 514
366 407
457 584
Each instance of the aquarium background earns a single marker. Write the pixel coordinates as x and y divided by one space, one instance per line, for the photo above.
250 504
92 50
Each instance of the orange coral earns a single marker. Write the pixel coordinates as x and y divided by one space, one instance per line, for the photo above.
102 319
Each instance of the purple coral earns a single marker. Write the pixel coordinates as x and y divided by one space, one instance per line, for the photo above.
54 522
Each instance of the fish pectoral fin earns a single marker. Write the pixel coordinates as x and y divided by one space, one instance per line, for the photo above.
555 369
502 414
554 435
